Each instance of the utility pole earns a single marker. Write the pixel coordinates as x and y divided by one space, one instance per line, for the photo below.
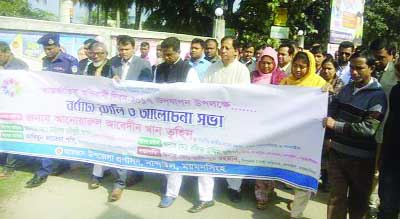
66 11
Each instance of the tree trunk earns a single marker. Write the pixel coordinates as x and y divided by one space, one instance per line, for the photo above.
105 16
138 14
89 15
118 18
98 15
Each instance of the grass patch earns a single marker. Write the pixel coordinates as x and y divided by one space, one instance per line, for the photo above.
14 184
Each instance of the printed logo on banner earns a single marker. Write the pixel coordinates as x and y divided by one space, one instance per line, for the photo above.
59 151
11 87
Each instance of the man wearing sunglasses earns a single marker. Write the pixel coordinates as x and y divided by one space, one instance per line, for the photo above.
346 49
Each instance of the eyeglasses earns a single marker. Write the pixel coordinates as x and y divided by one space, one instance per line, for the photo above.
98 53
345 53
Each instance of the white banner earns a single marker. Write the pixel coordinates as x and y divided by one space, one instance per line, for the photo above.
245 131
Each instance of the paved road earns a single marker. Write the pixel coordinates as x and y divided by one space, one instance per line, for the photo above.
68 197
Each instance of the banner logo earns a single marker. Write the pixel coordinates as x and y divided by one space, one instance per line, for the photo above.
11 87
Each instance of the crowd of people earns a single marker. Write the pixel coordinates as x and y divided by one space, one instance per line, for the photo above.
360 147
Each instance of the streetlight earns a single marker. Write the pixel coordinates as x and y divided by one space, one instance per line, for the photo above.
219 24
300 38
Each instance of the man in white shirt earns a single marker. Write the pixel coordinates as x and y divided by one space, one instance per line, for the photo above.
285 55
229 71
346 49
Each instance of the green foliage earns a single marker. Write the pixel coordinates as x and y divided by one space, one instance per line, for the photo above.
255 18
21 8
189 17
381 19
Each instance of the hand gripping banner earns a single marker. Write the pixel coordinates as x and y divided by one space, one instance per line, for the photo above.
242 131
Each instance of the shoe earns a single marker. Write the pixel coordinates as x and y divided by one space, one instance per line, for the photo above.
289 205
234 195
372 213
262 205
116 194
324 187
6 172
166 202
60 169
35 181
135 179
202 205
94 182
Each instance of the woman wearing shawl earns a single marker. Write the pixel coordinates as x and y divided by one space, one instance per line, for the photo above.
328 72
303 74
267 68
267 73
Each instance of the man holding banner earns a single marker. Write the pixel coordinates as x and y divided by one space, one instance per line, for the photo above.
356 113
183 72
228 71
55 61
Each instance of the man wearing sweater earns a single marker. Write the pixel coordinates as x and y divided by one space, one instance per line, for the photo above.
354 117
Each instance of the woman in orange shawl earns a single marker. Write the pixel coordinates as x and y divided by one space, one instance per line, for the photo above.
303 74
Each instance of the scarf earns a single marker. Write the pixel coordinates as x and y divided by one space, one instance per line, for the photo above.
273 77
310 79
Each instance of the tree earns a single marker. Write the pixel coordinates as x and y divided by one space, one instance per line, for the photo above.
21 8
255 18
381 19
189 17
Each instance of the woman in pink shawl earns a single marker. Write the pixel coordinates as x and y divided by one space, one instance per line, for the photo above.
267 71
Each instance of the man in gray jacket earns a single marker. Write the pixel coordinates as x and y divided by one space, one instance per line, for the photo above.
126 66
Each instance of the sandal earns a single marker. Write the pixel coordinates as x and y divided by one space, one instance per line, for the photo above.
262 205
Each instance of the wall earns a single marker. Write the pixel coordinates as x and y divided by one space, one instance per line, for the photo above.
22 35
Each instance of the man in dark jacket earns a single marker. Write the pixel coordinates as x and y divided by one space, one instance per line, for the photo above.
84 63
100 65
174 69
355 115
389 179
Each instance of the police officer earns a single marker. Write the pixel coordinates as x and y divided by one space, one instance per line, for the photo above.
56 61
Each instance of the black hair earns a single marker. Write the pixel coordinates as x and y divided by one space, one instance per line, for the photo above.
367 55
145 44
329 59
212 40
247 45
4 47
288 45
346 44
199 41
317 49
235 42
171 42
302 56
383 43
89 41
125 40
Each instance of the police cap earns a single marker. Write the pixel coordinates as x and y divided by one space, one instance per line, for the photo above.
50 39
